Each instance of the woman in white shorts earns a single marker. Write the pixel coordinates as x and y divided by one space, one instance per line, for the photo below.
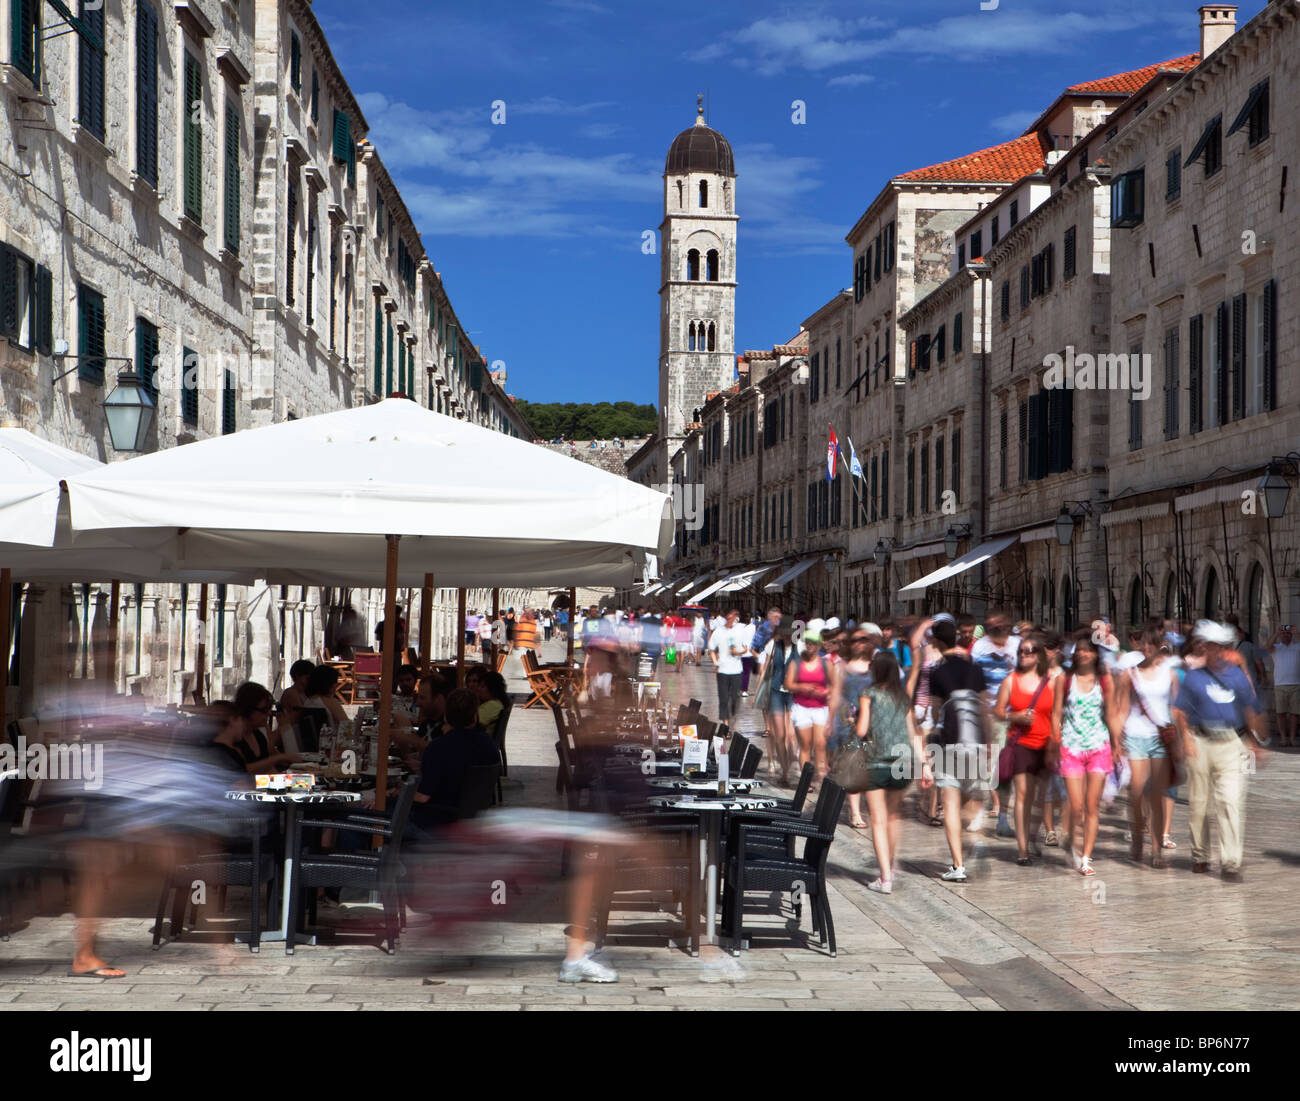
808 681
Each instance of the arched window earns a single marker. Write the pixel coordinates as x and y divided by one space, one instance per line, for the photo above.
713 343
1254 602
693 264
704 193
680 200
726 197
1135 601
690 342
711 265
1211 595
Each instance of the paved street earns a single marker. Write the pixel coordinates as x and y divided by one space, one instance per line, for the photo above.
1011 938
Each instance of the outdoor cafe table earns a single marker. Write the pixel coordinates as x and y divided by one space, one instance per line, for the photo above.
712 813
290 804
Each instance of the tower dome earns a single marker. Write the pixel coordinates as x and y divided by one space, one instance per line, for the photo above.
700 148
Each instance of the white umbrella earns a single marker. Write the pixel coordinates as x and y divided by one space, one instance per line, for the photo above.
317 499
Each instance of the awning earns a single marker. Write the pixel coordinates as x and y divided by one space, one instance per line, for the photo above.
697 582
1216 495
1133 515
731 582
790 574
921 550
976 557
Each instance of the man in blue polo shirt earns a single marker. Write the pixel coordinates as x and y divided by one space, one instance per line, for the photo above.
1212 706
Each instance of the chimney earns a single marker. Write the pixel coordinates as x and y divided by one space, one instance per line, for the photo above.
1218 21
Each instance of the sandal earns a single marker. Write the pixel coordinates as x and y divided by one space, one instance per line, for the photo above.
105 972
859 825
1085 866
1024 861
881 886
935 820
1168 843
1051 838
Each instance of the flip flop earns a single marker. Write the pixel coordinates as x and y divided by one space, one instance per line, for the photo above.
859 825
98 973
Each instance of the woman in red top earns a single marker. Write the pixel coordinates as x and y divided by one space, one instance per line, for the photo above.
1026 700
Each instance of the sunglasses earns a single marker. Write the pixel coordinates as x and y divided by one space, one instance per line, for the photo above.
1030 651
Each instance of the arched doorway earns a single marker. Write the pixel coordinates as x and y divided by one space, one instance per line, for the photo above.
1210 608
1254 604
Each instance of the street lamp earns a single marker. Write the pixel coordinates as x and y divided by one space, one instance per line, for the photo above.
1064 527
881 553
953 539
130 410
1275 490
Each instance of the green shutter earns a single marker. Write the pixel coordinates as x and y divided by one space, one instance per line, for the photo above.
90 109
389 378
342 136
146 92
315 96
193 132
379 347
190 387
228 408
295 62
146 354
44 334
90 335
233 181
26 55
8 292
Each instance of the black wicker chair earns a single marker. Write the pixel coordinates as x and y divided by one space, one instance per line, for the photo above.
380 871
765 870
673 869
252 866
499 737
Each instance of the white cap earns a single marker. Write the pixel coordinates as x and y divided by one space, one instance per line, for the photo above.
1209 631
815 626
871 629
832 624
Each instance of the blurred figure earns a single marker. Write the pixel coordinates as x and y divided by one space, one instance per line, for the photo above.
727 645
851 680
322 694
774 700
294 698
1284 649
808 680
1025 703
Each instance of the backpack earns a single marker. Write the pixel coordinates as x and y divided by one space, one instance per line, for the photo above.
962 718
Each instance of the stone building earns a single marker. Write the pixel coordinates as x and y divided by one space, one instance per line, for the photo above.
183 199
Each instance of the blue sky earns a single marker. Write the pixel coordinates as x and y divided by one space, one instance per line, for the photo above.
536 225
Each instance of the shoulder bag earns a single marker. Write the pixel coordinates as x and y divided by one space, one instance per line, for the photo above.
1006 762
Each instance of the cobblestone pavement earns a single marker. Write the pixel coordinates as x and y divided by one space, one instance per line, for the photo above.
1010 938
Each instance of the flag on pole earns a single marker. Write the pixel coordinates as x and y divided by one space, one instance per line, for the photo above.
832 454
855 467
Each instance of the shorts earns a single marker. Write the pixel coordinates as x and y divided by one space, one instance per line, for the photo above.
805 717
1286 699
1142 747
964 767
779 701
685 649
1087 760
1026 761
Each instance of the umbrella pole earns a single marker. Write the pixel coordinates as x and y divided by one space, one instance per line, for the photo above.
115 596
201 655
426 624
496 614
460 638
6 603
573 623
386 676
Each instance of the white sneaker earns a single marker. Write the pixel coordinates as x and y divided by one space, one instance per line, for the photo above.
976 823
955 875
586 970
881 886
721 968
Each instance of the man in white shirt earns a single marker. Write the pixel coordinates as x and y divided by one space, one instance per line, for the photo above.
726 645
995 656
1285 651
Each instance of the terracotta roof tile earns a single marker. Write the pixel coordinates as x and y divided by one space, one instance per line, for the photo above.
1008 162
1130 82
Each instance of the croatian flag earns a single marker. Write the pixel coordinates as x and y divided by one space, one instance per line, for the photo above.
832 454
855 466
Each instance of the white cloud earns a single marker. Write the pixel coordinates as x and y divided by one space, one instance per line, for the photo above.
1013 123
579 5
850 80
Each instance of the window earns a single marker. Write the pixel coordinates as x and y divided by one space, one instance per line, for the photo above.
345 151
704 193
1174 175
26 55
1219 358
925 478
976 245
889 247
874 487
1208 147
315 96
866 268
911 481
956 465
838 378
1134 410
1002 449
961 256
232 179
1013 216
884 483
291 245
940 344
146 93
229 397
939 471
392 362
295 62
993 231
1171 384
1238 356
1254 115
90 84
192 128
1127 199
90 335
711 265
1194 370
1024 287
859 274
310 304
190 387
1267 346
956 333
814 378
1023 441
693 265
146 354
1006 299
26 302
879 254
1069 251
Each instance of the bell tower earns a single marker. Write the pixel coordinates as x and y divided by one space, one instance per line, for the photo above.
697 290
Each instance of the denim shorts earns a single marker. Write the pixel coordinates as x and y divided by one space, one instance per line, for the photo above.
1141 747
778 701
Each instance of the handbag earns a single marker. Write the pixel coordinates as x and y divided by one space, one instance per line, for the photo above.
1006 761
763 697
851 767
670 655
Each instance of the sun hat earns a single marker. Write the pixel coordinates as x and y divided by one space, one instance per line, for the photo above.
1219 633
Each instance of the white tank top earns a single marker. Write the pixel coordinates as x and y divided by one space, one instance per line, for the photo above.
1155 694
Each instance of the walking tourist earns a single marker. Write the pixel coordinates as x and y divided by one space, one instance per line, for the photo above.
808 681
726 646
1025 703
